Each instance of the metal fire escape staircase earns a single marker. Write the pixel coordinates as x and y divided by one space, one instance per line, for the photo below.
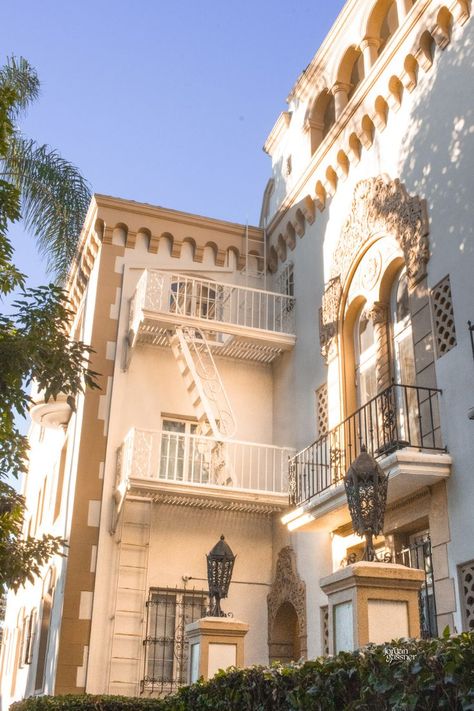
208 396
210 401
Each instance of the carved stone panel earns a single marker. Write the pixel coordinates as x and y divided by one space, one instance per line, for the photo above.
380 207
287 588
328 318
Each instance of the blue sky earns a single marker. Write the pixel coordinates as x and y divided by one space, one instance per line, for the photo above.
163 102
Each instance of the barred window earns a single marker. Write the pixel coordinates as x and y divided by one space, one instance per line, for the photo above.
286 280
169 610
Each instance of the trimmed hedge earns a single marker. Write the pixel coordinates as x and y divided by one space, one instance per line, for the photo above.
405 675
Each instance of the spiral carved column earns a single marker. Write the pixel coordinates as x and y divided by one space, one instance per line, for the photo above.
379 317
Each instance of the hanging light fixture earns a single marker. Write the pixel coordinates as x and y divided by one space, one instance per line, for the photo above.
366 490
220 563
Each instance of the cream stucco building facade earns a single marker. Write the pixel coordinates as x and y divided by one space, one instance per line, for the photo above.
243 368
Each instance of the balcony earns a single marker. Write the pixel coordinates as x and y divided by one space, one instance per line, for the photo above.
54 413
194 470
400 428
238 321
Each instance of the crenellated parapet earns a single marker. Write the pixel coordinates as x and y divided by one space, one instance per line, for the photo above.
132 226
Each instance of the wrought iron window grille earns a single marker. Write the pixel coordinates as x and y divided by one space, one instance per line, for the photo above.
166 650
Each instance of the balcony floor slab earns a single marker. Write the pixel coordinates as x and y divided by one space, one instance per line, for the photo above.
235 341
206 496
409 469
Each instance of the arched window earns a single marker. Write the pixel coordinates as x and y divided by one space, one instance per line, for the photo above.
365 358
329 116
388 26
402 339
383 22
357 73
321 119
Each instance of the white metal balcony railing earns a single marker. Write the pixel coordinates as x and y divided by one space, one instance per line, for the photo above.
204 461
211 302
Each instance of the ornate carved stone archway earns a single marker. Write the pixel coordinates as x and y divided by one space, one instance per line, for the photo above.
379 207
287 588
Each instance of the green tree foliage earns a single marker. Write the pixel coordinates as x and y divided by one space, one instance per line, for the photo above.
50 195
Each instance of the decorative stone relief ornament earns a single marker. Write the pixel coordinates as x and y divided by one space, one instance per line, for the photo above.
288 587
371 270
378 312
328 318
380 207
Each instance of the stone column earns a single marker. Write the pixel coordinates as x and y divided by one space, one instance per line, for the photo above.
403 8
372 602
214 643
378 314
340 91
369 47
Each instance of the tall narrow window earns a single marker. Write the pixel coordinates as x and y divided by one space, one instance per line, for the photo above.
404 361
44 632
60 481
365 358
30 636
403 352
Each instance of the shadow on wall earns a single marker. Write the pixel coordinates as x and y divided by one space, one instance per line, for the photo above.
437 156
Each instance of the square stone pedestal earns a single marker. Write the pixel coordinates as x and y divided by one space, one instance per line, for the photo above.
214 643
372 602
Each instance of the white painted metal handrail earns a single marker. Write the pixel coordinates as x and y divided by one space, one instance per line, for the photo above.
205 461
211 301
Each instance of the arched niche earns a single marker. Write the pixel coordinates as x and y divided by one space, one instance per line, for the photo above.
287 610
285 644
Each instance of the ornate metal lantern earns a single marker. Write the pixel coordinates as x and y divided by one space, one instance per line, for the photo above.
366 490
220 563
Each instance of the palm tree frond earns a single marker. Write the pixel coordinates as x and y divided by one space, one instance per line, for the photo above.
18 74
54 199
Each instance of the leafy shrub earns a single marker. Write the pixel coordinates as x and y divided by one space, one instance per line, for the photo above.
405 675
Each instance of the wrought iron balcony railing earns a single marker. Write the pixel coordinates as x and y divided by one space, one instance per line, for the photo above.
213 304
205 462
400 416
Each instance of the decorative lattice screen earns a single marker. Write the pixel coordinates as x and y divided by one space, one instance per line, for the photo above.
325 629
322 409
443 317
467 583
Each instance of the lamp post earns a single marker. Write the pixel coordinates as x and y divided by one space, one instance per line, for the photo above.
220 563
366 490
